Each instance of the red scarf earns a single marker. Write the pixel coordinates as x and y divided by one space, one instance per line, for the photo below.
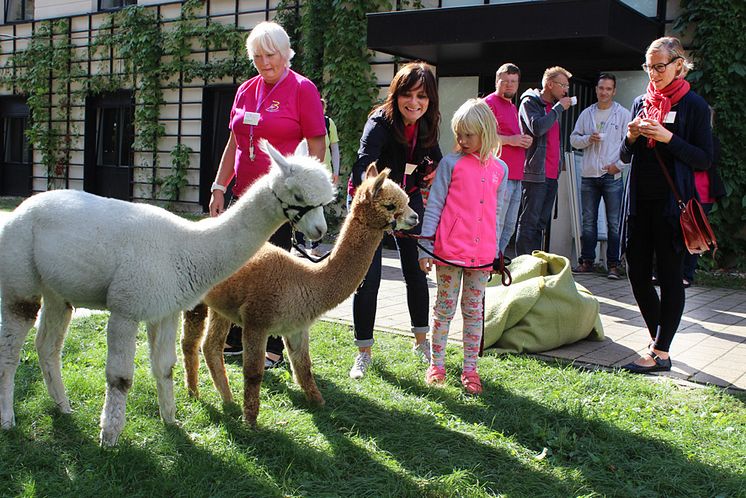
657 104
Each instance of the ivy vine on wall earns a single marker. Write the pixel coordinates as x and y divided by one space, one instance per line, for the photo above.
719 49
39 72
154 58
151 56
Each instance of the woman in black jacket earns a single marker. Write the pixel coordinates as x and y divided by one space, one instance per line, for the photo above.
401 134
671 124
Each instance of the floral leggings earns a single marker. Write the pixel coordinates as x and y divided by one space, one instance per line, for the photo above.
449 284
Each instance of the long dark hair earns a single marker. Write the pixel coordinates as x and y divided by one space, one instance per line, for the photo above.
407 78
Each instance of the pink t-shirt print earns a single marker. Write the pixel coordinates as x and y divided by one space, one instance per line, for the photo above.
289 112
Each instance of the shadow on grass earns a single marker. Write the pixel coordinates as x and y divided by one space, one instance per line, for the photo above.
356 446
612 461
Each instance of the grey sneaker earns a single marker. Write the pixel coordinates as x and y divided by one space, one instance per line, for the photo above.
423 351
362 362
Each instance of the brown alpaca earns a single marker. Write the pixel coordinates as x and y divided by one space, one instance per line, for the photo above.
275 293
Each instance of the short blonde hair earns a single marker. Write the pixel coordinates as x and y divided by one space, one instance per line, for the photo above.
674 48
271 38
474 116
551 72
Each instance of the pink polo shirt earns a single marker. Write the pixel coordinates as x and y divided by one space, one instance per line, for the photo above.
506 114
290 111
551 162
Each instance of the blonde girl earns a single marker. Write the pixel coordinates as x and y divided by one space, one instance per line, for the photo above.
463 215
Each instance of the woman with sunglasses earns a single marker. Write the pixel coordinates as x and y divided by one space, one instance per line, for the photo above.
672 126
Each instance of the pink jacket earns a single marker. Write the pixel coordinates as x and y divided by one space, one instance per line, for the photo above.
463 209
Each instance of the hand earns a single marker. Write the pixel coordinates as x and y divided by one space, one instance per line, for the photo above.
595 137
525 141
428 179
335 179
217 203
611 169
566 102
650 128
426 264
633 130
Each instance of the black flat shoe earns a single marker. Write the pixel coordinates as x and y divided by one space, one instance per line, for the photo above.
661 365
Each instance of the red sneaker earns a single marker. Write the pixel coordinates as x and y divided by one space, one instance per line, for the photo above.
471 381
435 376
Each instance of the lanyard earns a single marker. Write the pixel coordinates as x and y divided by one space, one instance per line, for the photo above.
260 98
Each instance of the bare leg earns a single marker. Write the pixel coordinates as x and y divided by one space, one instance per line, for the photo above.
300 362
17 318
217 330
191 337
120 365
162 341
55 318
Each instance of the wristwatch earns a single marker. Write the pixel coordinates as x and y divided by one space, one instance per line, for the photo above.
217 186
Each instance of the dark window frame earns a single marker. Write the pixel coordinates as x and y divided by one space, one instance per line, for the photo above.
25 16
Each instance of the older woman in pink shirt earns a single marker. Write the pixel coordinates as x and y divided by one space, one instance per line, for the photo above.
281 106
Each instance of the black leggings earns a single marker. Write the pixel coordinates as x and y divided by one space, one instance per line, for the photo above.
653 236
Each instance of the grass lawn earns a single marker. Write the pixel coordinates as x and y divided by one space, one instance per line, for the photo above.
540 429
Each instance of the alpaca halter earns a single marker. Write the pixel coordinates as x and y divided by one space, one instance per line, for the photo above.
301 210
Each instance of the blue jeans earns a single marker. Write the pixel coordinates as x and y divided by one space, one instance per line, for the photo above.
365 299
538 201
511 203
591 192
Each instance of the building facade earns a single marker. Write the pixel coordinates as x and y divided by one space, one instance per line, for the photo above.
136 106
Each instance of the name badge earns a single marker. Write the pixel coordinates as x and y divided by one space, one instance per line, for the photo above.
670 117
251 118
409 168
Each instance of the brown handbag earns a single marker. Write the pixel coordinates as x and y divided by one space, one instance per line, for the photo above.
698 235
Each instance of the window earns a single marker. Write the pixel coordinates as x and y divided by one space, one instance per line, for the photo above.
15 149
19 10
115 135
114 4
109 137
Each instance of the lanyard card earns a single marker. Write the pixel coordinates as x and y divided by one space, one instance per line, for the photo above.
251 118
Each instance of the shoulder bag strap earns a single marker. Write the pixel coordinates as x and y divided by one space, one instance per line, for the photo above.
676 195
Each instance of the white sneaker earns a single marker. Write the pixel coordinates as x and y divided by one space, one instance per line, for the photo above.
316 252
296 252
423 351
362 362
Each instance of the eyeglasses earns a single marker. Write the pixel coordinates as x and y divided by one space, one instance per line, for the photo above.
565 86
659 68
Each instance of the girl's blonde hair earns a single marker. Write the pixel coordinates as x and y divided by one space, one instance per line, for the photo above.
474 116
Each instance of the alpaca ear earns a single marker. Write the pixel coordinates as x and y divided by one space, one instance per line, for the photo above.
378 184
372 171
302 149
274 155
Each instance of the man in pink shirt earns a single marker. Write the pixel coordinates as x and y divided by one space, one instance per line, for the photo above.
514 144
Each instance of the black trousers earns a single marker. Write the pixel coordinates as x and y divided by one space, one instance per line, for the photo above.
653 236
365 299
281 238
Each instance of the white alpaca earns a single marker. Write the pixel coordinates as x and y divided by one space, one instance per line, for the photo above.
69 248
278 294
